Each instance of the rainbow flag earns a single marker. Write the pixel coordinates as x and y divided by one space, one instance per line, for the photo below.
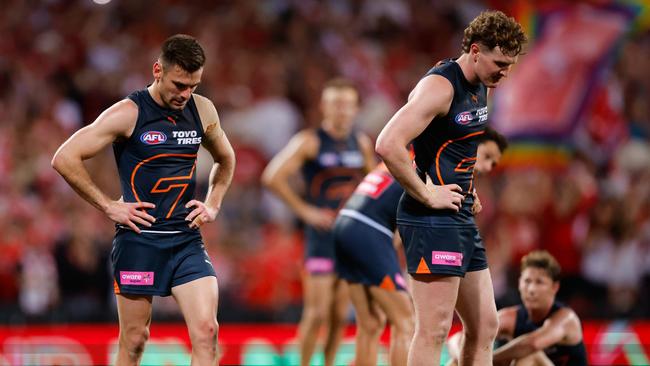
550 92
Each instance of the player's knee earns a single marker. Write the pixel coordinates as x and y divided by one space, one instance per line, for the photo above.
314 316
434 332
483 333
204 333
371 324
134 338
403 327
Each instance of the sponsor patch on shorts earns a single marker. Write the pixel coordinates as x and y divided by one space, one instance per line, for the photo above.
319 265
400 280
136 278
447 258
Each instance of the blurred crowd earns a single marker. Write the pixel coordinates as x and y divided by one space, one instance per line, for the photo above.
62 62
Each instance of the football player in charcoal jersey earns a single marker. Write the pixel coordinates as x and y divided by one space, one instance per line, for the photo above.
156 133
332 158
541 331
367 260
444 117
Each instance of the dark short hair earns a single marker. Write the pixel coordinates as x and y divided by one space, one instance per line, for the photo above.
543 260
494 28
184 51
491 134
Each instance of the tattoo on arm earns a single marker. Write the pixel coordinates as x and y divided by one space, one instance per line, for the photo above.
210 128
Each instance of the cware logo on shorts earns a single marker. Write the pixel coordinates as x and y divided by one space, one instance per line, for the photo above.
447 258
153 137
136 278
464 118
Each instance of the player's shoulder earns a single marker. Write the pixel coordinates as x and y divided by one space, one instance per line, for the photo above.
566 314
125 110
202 101
307 135
510 311
307 142
207 110
433 85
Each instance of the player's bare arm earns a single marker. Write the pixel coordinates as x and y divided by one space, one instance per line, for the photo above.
432 97
555 330
301 148
116 122
368 151
507 319
216 142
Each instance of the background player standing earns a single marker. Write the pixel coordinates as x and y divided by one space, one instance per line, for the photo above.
444 117
158 250
333 159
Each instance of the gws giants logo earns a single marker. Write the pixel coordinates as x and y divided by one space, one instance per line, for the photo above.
153 137
464 118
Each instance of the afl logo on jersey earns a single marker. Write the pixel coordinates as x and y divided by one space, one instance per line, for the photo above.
463 118
153 137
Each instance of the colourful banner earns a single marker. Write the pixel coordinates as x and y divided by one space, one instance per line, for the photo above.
615 343
551 86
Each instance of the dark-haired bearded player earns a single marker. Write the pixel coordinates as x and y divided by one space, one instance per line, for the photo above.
156 133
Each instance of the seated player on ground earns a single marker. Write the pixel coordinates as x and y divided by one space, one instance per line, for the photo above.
541 331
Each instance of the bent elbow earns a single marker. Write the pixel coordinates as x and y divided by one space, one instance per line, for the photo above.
57 161
267 179
382 148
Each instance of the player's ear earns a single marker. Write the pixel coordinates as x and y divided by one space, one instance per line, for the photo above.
556 286
157 70
474 50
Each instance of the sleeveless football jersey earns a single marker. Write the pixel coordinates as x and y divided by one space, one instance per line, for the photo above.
337 169
446 150
560 355
157 163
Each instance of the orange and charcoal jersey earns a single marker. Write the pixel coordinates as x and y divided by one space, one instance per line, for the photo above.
335 172
157 163
446 150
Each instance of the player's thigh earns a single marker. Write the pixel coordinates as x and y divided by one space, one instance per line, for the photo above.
396 304
434 297
134 311
341 298
366 309
318 289
198 300
475 305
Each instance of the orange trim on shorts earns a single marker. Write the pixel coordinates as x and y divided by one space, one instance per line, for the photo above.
116 288
422 267
444 146
387 284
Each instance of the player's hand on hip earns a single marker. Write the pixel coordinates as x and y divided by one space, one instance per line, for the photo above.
130 213
446 197
319 218
201 214
476 207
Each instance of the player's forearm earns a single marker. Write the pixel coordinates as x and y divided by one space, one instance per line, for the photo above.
519 347
74 172
400 166
280 187
220 179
